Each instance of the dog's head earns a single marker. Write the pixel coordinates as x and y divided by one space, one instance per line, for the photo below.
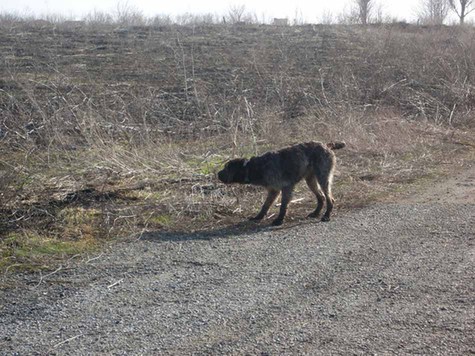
234 171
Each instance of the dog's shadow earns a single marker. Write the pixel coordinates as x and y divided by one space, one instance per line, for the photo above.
243 229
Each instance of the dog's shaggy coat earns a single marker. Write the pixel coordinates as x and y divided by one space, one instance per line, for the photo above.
280 171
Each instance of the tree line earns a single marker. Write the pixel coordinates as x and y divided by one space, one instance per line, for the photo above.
433 12
429 12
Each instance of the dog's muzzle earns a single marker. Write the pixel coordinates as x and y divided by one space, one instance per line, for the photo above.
223 177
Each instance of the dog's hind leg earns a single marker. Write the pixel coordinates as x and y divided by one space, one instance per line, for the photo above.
325 178
326 187
286 197
314 187
271 197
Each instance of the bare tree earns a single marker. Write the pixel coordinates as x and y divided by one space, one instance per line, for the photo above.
236 13
462 8
127 14
327 18
378 15
365 8
433 12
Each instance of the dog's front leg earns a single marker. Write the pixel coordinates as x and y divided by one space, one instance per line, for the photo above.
286 196
272 195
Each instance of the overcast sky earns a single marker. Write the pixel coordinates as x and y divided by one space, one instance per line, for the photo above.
309 10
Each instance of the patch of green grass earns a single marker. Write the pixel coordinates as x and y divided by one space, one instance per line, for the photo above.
162 220
207 168
206 165
28 250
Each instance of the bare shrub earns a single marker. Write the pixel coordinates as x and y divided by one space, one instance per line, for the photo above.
160 20
98 18
348 16
433 12
128 15
189 19
236 13
327 18
8 19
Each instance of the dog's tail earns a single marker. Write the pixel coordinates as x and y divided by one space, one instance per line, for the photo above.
336 145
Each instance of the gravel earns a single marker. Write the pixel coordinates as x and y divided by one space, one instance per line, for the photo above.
387 279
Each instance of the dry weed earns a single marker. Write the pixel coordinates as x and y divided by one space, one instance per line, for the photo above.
110 133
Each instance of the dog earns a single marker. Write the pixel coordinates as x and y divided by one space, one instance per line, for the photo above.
280 171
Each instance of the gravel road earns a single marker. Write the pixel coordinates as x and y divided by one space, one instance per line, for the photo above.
387 279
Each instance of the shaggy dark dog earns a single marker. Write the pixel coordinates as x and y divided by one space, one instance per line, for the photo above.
280 171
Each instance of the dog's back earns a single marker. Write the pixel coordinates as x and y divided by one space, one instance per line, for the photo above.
290 165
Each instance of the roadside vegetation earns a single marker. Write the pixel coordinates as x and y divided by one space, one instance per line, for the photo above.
108 130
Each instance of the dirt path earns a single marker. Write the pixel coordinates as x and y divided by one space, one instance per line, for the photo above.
391 278
459 189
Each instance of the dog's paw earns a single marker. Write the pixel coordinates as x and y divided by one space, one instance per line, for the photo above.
277 222
325 218
256 218
312 215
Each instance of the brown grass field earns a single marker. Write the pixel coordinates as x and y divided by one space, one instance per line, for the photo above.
107 132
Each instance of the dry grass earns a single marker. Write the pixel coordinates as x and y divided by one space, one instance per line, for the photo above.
109 134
